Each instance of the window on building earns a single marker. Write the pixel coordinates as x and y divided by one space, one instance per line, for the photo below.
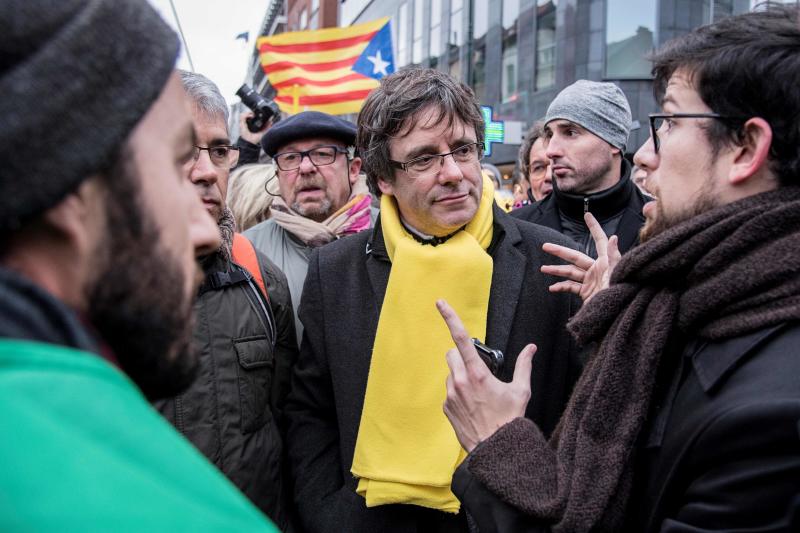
435 41
630 27
313 20
456 37
480 25
416 47
304 19
545 43
716 10
402 35
508 75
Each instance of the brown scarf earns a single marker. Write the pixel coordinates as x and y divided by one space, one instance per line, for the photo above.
722 274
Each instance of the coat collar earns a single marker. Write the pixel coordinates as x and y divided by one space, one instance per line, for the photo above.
603 205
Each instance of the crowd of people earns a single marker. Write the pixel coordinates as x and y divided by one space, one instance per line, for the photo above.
333 327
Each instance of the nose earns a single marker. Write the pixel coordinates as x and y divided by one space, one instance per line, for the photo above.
203 170
553 149
450 171
646 157
306 166
203 231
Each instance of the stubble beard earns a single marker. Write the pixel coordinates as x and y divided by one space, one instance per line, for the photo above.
706 200
587 179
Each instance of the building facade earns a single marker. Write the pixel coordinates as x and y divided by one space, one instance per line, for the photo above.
517 54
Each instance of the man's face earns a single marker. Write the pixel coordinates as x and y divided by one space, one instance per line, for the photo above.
316 192
540 173
437 203
684 175
210 181
146 275
580 161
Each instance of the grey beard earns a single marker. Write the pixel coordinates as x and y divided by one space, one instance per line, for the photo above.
317 214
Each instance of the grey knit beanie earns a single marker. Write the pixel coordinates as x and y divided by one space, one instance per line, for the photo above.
600 107
76 76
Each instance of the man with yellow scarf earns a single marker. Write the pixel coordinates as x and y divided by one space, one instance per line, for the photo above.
370 447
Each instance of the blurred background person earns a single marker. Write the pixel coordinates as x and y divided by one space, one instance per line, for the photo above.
243 336
534 165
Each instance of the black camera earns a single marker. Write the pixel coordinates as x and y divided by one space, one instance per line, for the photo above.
261 108
494 359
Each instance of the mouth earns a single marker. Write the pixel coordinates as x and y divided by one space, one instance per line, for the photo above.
648 210
561 170
451 198
306 192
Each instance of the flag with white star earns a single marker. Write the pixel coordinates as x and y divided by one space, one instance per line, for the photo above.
330 70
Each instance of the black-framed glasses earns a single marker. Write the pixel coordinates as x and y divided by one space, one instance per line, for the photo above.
221 155
427 164
657 121
319 156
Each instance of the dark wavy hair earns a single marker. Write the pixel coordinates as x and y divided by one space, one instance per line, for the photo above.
389 110
744 66
534 132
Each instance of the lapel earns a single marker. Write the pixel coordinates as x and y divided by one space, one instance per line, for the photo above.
508 274
378 266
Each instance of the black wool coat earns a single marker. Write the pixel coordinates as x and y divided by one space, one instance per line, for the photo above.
340 308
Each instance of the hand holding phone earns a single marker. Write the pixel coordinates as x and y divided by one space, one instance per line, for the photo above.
494 359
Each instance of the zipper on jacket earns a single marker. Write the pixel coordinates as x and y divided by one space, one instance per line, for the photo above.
585 204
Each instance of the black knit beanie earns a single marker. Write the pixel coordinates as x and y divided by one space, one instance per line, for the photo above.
76 76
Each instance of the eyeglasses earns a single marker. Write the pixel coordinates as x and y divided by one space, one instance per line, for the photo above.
221 155
657 122
319 156
426 164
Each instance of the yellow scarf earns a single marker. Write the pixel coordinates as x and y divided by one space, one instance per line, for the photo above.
406 450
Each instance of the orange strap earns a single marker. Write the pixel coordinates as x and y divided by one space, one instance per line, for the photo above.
244 254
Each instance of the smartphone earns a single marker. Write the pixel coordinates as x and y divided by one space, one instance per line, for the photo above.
494 359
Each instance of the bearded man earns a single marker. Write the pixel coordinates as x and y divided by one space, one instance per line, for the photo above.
686 417
584 137
98 276
321 195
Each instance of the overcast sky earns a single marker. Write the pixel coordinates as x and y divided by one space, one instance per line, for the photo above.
210 28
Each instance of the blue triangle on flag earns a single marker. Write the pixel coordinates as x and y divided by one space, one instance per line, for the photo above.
377 60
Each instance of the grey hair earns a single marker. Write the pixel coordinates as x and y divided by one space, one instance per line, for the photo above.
391 109
205 95
536 130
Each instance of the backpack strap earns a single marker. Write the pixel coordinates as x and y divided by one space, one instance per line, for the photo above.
244 254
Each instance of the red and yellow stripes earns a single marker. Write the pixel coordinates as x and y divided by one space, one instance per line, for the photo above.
311 70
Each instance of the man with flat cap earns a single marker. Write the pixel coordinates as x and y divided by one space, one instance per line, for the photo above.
100 230
321 195
586 132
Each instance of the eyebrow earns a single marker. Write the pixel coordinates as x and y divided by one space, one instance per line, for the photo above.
220 141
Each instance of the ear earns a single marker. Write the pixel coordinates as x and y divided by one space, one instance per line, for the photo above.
385 187
355 168
751 157
75 217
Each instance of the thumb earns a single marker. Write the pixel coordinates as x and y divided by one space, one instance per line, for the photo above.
524 365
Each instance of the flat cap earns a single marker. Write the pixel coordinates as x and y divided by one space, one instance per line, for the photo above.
76 76
307 124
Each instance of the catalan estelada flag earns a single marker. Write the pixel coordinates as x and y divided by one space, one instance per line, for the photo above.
330 70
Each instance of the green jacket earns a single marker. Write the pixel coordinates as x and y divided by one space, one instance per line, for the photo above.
82 450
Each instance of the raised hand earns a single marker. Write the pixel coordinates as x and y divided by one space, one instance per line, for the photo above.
478 404
584 276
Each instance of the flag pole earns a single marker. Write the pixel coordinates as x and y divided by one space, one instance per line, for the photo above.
295 99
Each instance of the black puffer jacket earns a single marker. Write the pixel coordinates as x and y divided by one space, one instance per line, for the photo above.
232 412
618 209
